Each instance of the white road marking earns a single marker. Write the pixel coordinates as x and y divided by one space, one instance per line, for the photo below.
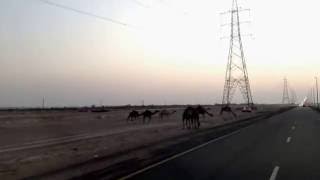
274 173
288 139
180 154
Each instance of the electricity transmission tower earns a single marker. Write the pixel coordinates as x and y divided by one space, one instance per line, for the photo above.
43 103
293 96
236 73
285 95
313 96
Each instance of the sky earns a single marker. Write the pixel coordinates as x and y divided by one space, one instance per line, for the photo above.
156 51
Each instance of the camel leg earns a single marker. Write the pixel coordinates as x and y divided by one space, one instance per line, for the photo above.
186 123
191 124
234 114
196 123
183 123
221 112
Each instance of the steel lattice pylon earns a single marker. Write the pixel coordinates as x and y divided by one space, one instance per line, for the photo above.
285 95
293 96
236 73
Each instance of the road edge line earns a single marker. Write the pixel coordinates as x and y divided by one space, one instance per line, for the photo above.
274 173
179 155
289 139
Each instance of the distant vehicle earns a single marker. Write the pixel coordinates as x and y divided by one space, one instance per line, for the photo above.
246 109
99 110
84 109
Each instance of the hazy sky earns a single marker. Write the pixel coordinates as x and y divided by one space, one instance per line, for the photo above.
171 52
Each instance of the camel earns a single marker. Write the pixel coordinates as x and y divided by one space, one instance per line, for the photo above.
147 114
133 115
227 109
166 113
190 118
202 111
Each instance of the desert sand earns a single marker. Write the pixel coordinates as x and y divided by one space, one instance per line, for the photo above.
37 143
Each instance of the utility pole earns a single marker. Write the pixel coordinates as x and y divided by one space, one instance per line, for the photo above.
43 103
317 92
313 96
236 73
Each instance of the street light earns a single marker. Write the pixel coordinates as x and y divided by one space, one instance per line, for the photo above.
317 92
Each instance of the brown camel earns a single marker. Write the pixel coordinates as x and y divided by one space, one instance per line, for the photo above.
147 114
227 109
202 111
165 113
190 118
133 115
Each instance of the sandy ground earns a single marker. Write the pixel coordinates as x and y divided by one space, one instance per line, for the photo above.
33 143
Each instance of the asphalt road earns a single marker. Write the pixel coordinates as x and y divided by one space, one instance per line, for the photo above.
286 146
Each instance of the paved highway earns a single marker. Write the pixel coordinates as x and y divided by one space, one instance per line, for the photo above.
286 146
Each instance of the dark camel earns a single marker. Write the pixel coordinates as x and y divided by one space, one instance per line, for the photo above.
227 109
165 113
202 111
133 115
147 114
190 118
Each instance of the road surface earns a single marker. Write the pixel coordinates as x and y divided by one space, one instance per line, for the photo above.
286 146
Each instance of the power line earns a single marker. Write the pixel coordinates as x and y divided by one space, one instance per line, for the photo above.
140 4
86 13
168 5
184 12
